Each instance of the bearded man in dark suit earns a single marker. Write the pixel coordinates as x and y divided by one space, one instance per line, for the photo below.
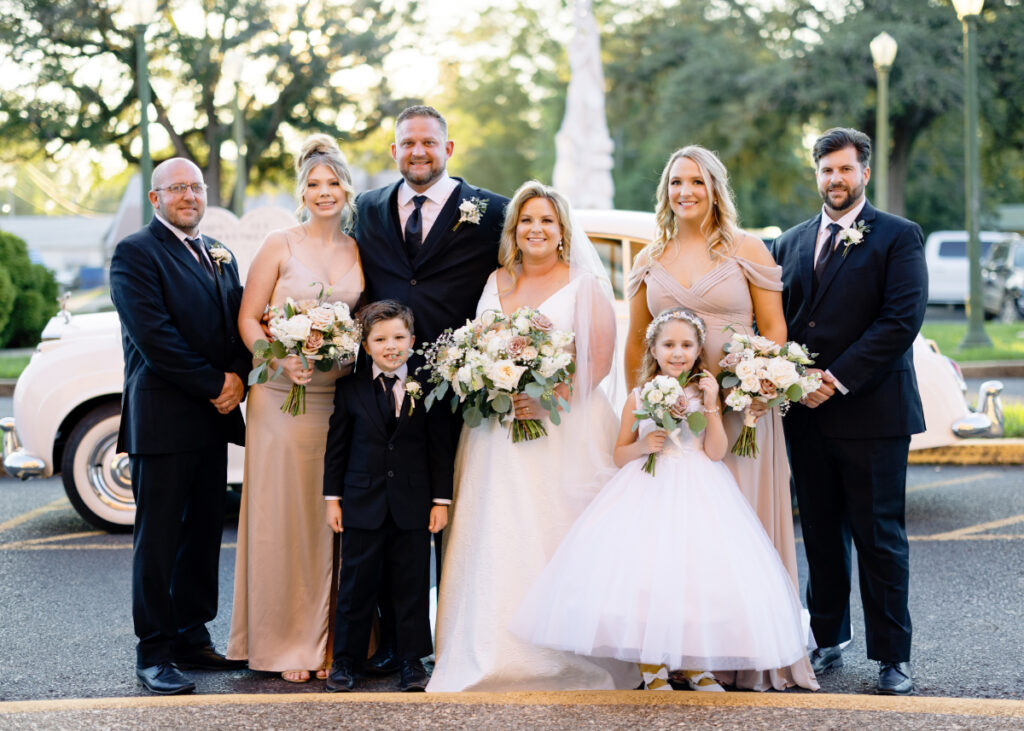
854 291
429 241
177 294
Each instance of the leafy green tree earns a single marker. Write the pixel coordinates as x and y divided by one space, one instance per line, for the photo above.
80 56
7 296
35 294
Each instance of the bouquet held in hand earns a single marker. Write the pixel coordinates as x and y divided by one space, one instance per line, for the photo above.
488 360
756 368
663 401
323 333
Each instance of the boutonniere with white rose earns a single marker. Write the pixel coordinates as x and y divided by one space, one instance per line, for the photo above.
852 236
471 210
219 255
414 391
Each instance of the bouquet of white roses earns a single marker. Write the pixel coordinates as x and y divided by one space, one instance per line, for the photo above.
320 332
756 368
663 401
488 360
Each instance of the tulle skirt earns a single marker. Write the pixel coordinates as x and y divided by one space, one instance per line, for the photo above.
671 569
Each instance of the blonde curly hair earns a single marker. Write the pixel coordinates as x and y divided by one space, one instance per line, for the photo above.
509 255
720 227
319 149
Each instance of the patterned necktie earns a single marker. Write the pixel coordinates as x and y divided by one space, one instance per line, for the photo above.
414 227
826 252
196 245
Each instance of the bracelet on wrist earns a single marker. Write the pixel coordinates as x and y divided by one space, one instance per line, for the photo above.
712 411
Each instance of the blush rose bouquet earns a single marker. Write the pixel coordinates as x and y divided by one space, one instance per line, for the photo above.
663 400
484 363
757 368
318 332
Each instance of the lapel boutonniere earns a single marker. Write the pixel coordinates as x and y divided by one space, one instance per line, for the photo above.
414 391
470 211
852 236
219 255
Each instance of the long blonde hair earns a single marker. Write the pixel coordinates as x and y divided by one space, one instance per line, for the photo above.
509 255
319 149
720 226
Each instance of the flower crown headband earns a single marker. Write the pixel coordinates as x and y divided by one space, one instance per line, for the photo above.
675 315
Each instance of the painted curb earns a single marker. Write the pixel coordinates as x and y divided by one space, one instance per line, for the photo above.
973 452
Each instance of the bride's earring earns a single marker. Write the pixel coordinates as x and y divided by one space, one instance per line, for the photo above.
561 246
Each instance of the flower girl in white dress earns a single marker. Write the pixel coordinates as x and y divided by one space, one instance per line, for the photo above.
622 583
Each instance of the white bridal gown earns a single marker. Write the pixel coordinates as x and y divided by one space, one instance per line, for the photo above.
512 506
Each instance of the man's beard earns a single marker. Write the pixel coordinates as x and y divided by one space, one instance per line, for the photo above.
422 178
852 196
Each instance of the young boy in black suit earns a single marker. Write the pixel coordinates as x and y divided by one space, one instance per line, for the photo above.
387 461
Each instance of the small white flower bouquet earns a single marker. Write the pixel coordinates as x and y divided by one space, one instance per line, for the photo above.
320 332
471 210
663 401
756 368
490 359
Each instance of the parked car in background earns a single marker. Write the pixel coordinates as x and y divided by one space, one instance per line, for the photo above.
945 253
67 403
1002 273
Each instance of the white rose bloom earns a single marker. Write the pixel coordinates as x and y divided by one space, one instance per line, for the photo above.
547 367
505 374
797 353
562 360
763 344
493 345
530 353
655 396
321 318
292 331
488 317
522 324
782 373
561 339
464 375
461 335
452 354
547 349
737 401
746 369
751 384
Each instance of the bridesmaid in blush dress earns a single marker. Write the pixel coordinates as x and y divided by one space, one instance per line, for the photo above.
702 261
285 557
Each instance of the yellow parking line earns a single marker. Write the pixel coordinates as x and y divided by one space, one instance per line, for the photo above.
971 530
979 707
57 504
46 544
955 481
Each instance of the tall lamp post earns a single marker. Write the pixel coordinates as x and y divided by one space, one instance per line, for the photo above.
976 337
141 13
233 65
883 52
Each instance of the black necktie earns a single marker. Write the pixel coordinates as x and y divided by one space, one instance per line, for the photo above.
826 252
414 227
197 246
386 399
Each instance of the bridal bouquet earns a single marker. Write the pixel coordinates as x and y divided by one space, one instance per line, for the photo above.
663 401
490 359
756 368
320 332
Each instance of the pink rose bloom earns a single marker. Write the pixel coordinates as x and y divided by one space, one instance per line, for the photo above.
542 322
678 409
313 343
730 361
768 389
516 344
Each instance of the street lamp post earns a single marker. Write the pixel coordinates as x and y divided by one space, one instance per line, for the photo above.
141 13
233 70
883 52
976 337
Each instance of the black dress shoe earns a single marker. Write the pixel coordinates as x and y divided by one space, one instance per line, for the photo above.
414 677
383 662
206 658
341 679
823 658
894 678
165 679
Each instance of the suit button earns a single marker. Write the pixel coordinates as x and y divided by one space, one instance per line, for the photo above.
810 324
391 447
412 282
390 473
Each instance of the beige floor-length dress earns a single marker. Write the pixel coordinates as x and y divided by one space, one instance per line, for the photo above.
722 298
284 559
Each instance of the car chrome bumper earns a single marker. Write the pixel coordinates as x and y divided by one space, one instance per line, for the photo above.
17 462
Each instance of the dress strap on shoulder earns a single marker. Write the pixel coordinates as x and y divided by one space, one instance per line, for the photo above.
765 276
637 275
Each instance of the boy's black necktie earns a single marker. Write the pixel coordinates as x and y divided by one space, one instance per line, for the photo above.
386 400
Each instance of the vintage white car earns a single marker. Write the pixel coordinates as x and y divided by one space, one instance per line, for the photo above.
67 403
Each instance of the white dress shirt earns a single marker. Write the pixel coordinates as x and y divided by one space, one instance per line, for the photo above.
845 221
182 236
437 195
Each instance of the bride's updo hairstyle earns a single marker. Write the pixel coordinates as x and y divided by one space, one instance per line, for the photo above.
649 366
319 149
719 227
509 254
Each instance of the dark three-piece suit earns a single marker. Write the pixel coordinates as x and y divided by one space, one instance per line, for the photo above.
849 455
180 337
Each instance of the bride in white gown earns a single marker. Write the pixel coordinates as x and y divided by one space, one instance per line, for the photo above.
514 502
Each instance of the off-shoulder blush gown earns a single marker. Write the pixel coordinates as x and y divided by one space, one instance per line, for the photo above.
722 298
284 559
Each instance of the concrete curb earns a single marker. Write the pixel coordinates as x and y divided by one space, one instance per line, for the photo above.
992 369
7 386
973 452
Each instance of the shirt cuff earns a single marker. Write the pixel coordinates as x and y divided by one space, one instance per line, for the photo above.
332 497
441 501
842 389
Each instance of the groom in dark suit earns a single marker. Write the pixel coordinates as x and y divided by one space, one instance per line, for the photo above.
177 294
429 241
854 291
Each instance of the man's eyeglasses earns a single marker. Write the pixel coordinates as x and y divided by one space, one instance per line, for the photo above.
180 188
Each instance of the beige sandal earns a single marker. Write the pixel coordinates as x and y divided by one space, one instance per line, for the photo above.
297 676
